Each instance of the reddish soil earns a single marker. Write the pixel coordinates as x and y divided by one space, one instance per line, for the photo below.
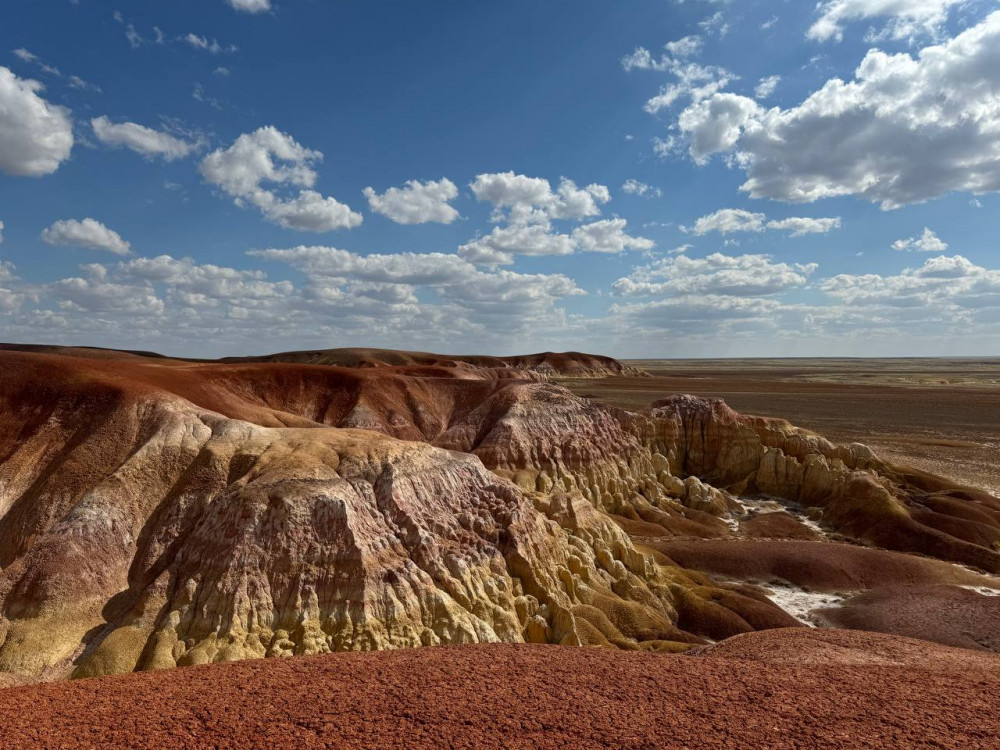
798 646
823 566
523 697
777 526
944 614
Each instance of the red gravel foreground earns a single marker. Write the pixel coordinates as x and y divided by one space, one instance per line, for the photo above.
515 697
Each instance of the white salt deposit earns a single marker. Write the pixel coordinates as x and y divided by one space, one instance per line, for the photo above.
800 603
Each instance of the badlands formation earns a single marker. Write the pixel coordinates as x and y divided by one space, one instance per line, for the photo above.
159 513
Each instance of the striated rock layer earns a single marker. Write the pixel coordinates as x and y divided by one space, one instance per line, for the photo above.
157 513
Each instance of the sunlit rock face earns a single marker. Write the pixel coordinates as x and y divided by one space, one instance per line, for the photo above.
156 513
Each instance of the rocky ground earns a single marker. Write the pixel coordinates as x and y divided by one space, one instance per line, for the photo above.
844 691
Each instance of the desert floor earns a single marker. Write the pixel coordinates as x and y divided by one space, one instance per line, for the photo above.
939 415
824 692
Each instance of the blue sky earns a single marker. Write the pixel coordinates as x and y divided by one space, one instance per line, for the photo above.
638 178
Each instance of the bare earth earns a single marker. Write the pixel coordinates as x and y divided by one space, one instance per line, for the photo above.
835 690
938 415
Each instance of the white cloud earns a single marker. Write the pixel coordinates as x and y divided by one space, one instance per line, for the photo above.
417 202
35 136
141 139
135 39
269 156
766 86
532 199
728 220
907 18
499 247
689 315
251 6
693 80
88 233
800 226
73 81
634 187
943 287
429 269
1 232
528 205
716 124
928 242
717 275
686 47
211 46
715 23
608 236
905 130
492 301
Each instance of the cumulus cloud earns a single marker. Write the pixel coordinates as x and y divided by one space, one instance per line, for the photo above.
634 187
1 232
608 236
800 226
524 209
716 124
766 86
928 242
88 233
490 301
693 315
35 136
251 6
717 275
906 18
269 156
499 247
178 304
416 202
532 199
141 139
691 79
905 130
731 220
942 286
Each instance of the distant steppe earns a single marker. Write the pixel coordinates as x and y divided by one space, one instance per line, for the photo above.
939 415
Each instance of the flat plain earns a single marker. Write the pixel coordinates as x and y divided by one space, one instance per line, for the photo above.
938 415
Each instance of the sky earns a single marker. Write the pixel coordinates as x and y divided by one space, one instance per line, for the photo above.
638 178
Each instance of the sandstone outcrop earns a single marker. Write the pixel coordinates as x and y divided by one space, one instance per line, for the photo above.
157 513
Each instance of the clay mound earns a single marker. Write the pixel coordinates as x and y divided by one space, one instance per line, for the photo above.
944 614
94 352
550 364
807 646
513 696
777 526
147 520
158 513
820 566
